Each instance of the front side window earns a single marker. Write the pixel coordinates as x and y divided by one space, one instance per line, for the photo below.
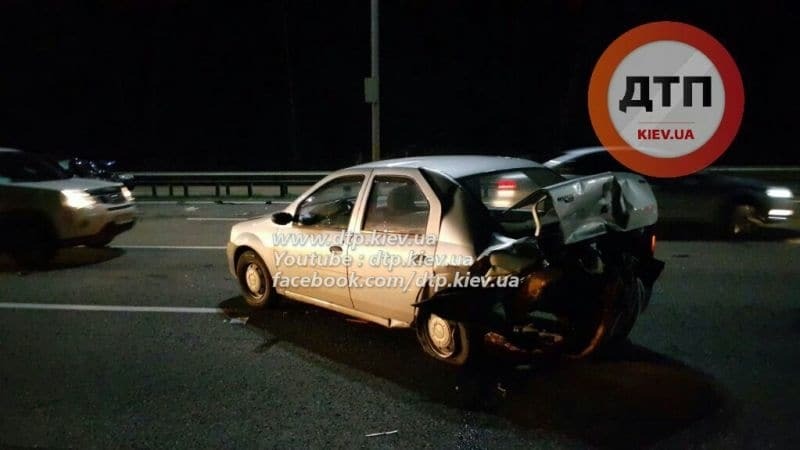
396 205
26 167
331 205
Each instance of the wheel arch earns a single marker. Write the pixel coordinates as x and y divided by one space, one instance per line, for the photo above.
239 251
250 241
13 221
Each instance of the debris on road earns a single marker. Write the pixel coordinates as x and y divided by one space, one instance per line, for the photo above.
237 320
381 433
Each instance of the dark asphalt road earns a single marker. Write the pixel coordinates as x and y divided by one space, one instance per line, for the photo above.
712 364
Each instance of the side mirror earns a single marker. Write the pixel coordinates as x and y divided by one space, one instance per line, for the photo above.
282 218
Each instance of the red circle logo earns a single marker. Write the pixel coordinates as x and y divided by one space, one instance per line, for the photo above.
666 99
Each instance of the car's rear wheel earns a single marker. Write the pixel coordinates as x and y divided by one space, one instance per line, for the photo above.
606 321
630 306
254 280
446 340
587 328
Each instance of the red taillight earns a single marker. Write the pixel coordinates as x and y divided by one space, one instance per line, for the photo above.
506 185
653 244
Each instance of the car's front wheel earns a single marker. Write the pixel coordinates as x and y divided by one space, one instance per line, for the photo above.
254 280
36 246
446 340
100 242
742 221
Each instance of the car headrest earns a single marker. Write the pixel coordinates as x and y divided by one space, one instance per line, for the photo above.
401 199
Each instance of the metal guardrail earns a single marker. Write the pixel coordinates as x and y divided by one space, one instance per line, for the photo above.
758 169
788 176
223 182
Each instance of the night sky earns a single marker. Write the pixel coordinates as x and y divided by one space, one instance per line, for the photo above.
197 85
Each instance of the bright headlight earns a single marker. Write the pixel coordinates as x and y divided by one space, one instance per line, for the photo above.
76 199
127 194
779 192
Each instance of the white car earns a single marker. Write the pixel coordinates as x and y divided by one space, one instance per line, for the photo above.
435 243
43 208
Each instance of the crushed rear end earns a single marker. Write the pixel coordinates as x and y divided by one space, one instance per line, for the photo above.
583 274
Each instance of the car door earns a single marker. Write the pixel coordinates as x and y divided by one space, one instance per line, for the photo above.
394 243
313 262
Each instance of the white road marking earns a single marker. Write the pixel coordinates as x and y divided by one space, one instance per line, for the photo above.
381 433
112 308
261 202
172 247
141 202
210 219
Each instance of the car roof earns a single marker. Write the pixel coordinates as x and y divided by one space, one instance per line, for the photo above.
585 150
457 166
581 151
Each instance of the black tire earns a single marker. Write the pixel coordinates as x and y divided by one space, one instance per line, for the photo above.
631 306
258 294
590 329
463 345
739 221
736 221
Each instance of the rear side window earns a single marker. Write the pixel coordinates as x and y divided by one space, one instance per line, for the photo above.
396 205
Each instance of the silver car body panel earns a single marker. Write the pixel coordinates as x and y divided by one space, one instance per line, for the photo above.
599 204
590 206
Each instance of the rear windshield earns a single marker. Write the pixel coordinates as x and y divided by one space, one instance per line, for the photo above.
500 190
21 167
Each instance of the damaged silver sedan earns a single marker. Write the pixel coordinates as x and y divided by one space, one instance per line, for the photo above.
474 252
